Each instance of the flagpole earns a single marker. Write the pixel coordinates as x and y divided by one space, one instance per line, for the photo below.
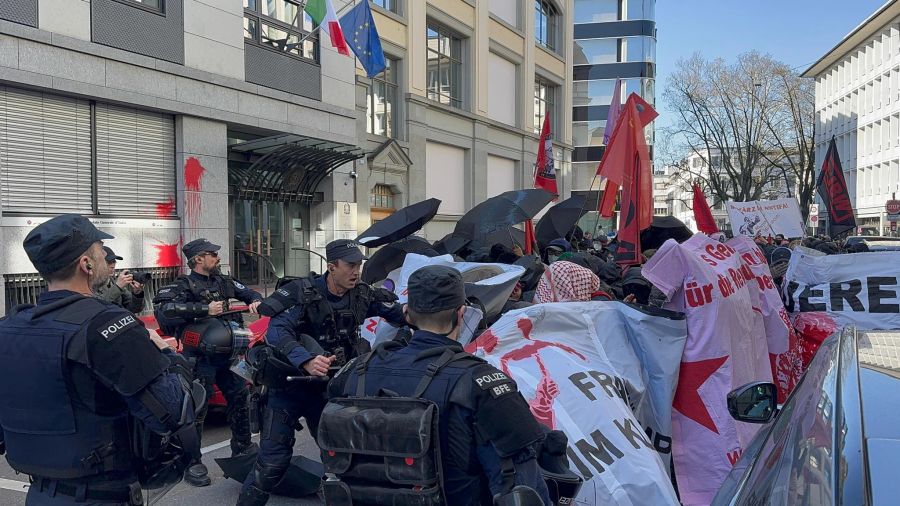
314 30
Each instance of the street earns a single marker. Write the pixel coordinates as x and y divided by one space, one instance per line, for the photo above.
222 492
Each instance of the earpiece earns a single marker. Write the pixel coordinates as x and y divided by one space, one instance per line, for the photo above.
90 266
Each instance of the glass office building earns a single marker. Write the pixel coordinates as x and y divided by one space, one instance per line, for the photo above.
613 39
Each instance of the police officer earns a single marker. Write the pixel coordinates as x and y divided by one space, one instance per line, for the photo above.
209 290
121 290
315 325
77 373
487 429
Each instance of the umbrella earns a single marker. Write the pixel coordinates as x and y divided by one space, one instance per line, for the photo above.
507 236
302 478
451 244
400 225
662 229
390 257
508 208
560 219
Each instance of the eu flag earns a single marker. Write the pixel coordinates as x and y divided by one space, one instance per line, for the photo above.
362 37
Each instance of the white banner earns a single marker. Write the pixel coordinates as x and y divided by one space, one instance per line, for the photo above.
604 373
828 292
766 218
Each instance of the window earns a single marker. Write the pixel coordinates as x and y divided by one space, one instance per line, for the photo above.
641 9
281 25
596 11
507 10
444 66
445 177
388 5
382 197
502 97
543 104
64 155
545 21
155 5
596 51
588 133
383 101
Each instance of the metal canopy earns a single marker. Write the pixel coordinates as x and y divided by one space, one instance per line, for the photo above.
288 168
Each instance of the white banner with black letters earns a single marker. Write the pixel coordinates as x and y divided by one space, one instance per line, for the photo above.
604 373
858 288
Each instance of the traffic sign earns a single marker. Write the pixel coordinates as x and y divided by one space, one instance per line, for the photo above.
893 210
813 214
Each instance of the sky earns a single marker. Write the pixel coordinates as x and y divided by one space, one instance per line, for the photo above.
796 32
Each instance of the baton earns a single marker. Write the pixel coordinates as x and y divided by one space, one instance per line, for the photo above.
309 379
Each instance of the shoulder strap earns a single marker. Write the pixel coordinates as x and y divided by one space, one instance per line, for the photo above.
49 308
16 309
192 285
446 358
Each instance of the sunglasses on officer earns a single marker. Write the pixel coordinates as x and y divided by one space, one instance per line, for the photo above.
213 254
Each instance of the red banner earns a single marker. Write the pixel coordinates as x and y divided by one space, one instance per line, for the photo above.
833 189
544 172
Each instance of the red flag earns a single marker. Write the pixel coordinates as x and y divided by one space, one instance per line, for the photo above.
544 173
626 163
702 213
529 237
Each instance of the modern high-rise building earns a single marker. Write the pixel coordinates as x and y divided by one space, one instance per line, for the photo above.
612 39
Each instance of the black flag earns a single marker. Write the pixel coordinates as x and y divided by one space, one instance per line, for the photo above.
833 189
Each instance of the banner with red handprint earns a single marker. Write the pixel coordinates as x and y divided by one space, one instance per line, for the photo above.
604 373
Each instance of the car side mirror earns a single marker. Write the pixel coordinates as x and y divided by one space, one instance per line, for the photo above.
754 402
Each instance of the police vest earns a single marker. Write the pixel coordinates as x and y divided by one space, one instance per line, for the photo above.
322 322
47 433
386 449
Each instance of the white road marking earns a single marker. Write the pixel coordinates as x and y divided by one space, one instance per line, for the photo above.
14 485
222 444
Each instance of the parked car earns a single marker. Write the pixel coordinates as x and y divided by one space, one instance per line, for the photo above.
875 243
835 441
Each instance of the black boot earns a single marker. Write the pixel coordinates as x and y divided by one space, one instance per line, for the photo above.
252 496
197 475
238 449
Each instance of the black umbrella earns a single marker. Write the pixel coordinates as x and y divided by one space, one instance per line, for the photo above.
400 225
663 228
560 219
390 257
507 236
508 208
451 244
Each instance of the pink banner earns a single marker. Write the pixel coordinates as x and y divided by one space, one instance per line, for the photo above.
726 348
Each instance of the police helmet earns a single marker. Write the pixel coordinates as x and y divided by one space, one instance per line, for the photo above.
214 338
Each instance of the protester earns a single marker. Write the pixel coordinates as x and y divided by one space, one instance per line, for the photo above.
566 282
556 248
121 290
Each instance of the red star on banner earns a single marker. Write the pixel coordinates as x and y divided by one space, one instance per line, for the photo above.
687 398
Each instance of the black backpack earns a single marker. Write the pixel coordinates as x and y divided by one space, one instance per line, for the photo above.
384 450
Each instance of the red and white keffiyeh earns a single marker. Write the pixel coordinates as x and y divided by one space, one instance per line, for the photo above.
566 282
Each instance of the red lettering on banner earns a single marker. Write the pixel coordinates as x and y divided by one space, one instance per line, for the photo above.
734 456
372 325
696 295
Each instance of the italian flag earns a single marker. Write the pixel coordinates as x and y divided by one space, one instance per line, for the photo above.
322 12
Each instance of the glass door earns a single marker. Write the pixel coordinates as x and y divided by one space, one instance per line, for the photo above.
259 242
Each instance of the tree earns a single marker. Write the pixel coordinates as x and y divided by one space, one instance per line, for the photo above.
751 122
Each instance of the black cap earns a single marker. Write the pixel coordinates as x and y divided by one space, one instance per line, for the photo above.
436 288
198 246
110 255
57 243
344 249
780 254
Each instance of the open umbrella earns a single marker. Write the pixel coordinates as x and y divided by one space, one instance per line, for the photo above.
400 225
663 228
560 219
451 244
508 236
508 208
390 257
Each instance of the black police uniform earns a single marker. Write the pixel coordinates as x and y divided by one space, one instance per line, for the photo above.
185 301
76 373
484 422
308 320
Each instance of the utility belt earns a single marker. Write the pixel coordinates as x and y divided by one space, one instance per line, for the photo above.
84 492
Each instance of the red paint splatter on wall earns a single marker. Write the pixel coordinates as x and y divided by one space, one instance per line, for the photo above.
193 182
167 255
165 209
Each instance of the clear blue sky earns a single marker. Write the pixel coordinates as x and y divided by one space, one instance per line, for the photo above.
796 32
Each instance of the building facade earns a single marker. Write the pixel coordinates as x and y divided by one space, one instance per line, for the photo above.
457 113
858 103
612 39
168 120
